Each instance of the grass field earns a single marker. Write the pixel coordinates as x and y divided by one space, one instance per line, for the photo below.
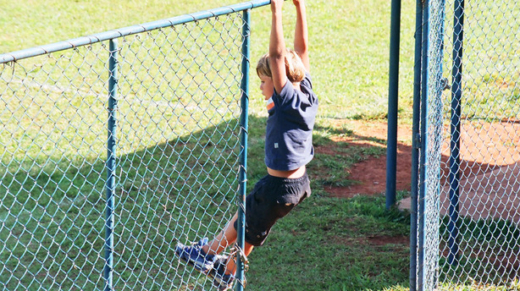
53 172
151 160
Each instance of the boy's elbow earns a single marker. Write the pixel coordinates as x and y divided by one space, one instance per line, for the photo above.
275 56
301 51
302 47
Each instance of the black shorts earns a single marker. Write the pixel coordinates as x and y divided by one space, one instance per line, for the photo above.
271 199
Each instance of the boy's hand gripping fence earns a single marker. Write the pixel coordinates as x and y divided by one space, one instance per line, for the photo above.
99 181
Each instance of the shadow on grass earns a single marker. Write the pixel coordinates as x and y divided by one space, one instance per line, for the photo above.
488 246
53 219
53 213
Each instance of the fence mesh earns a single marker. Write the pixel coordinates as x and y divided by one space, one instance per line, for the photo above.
472 154
177 157
432 125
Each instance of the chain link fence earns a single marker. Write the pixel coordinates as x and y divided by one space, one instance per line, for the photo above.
112 150
469 184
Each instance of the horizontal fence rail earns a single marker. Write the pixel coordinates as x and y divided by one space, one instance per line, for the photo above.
118 145
104 36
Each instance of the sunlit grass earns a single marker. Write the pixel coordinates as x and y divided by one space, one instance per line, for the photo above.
177 149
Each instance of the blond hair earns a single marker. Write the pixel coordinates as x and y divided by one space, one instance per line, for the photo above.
294 68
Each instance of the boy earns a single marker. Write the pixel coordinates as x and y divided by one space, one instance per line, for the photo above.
292 107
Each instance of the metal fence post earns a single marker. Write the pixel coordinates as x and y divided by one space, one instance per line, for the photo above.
243 140
393 101
416 145
424 149
455 127
111 165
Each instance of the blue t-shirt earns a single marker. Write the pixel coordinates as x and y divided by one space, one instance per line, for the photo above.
288 140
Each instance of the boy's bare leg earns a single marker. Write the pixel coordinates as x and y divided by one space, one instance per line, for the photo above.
231 265
225 238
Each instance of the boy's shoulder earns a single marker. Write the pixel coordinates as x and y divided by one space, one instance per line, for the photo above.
290 98
289 91
307 81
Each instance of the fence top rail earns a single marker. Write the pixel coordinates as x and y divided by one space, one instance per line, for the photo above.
103 36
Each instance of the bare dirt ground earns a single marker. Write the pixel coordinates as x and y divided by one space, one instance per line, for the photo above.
370 174
490 174
487 149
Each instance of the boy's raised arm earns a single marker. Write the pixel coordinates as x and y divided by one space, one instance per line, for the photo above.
301 36
277 47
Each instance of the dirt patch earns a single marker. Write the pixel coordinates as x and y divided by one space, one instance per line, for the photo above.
369 176
507 264
484 147
386 240
376 241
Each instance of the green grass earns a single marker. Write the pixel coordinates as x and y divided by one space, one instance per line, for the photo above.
177 148
490 74
361 64
326 244
481 242
161 189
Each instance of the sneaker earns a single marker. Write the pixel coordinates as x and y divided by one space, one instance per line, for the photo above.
218 266
221 280
195 256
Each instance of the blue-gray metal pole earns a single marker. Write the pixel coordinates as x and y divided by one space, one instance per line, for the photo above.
246 45
416 144
111 166
424 149
455 127
393 97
